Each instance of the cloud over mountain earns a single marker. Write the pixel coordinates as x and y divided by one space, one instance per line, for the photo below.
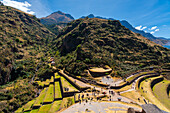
24 6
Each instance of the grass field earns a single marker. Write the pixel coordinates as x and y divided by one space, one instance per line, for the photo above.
57 90
19 110
28 106
66 84
41 97
49 97
45 108
55 106
148 94
34 111
160 92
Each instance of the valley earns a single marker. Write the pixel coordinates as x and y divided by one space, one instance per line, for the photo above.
86 65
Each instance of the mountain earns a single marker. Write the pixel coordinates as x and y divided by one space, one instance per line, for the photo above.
93 42
158 40
57 17
24 42
24 51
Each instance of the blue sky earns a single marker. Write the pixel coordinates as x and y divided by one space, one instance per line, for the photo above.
152 16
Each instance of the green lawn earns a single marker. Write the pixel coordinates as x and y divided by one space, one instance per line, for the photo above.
45 108
55 106
66 84
28 106
34 111
49 97
57 90
41 97
160 92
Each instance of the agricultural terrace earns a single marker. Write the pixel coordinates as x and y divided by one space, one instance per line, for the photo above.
160 91
57 90
146 91
40 98
49 94
66 84
129 79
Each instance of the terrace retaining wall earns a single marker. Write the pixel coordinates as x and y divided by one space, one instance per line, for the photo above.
155 81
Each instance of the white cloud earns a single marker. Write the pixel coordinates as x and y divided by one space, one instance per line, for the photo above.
144 28
156 30
140 27
152 32
23 6
152 28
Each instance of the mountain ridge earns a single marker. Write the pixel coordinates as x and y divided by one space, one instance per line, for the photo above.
93 42
49 20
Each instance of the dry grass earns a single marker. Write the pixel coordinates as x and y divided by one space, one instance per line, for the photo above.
127 87
134 95
160 92
148 94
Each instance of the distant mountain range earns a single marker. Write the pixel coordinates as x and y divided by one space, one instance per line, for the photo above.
158 40
60 19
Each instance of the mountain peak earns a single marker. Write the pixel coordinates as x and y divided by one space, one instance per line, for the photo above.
91 16
57 17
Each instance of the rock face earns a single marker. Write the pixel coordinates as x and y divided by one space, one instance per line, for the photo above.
22 38
57 17
97 42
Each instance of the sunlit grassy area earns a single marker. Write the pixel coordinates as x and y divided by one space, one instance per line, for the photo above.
57 90
127 87
49 97
45 108
19 110
28 106
47 82
160 91
41 97
52 79
67 102
148 94
56 76
66 84
134 95
55 106
34 111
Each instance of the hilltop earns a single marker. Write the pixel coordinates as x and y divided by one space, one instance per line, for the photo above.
57 17
93 42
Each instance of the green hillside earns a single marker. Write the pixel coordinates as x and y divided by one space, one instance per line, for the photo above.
24 42
93 42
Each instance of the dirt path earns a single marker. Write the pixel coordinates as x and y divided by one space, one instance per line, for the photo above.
113 97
